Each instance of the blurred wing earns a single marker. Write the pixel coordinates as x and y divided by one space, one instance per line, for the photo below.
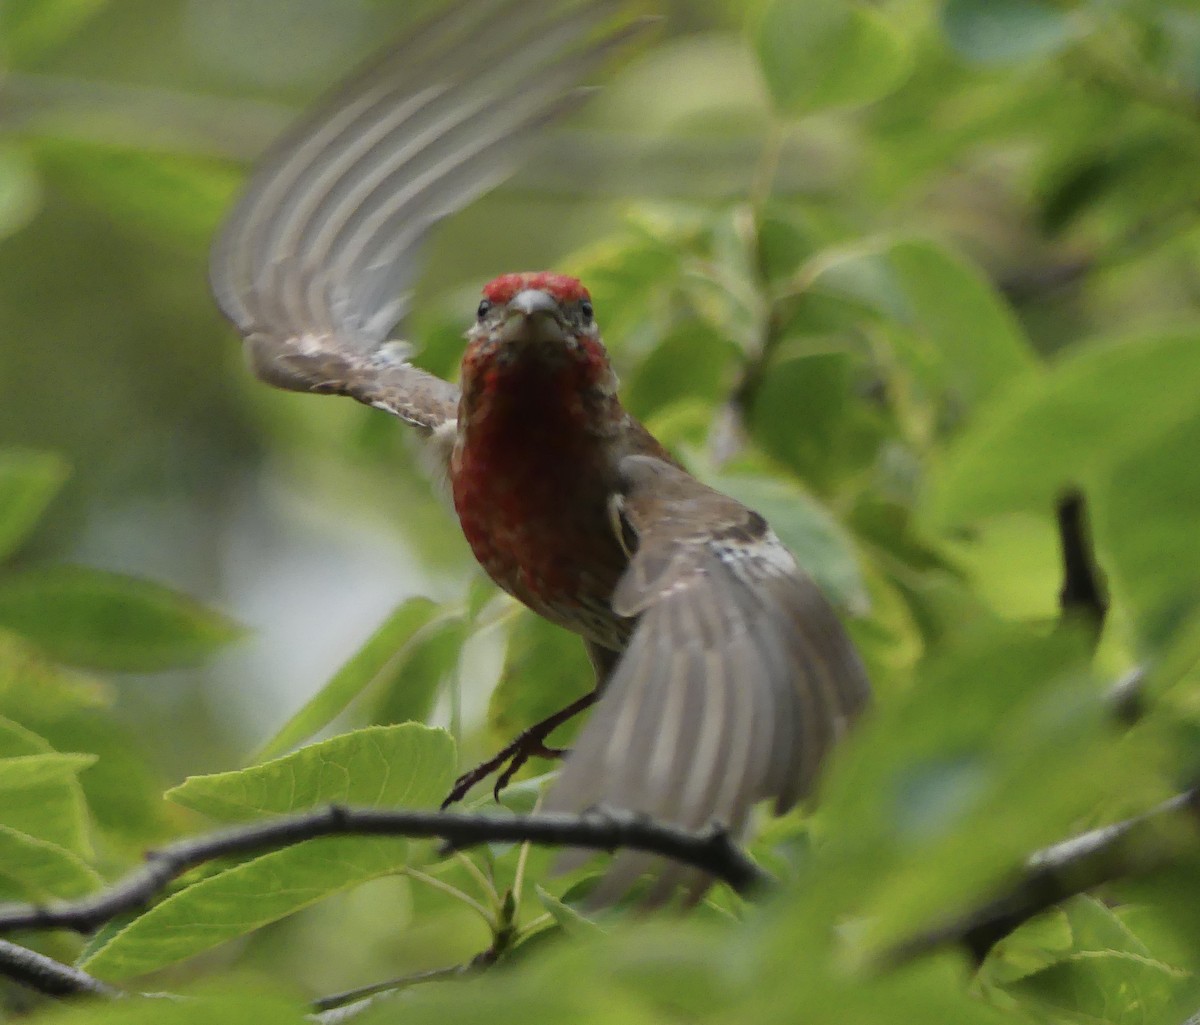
736 682
316 263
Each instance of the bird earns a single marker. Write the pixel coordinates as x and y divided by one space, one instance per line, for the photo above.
723 675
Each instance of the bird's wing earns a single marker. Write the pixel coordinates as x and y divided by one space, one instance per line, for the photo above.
316 263
737 679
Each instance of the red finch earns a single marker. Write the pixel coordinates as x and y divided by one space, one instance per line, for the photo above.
722 675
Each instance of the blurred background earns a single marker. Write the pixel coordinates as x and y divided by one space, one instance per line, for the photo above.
818 249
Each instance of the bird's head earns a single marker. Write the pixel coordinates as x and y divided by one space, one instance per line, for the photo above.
532 324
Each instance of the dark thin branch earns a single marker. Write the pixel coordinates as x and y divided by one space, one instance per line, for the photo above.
1120 851
1127 697
44 974
1083 595
363 993
710 850
342 1006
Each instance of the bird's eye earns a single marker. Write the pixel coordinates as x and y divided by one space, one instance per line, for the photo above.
585 308
484 308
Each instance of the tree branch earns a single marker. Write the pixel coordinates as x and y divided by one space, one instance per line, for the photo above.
606 830
44 974
1120 851
340 1007
1083 594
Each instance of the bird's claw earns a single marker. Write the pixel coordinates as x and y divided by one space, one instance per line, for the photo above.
531 743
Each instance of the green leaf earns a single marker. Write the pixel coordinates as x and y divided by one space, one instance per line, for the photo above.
826 53
1148 525
427 662
20 188
40 796
381 659
808 413
1096 408
1008 31
165 195
1108 976
28 481
242 899
566 917
232 1005
956 335
404 766
37 870
942 794
1035 945
103 620
693 361
67 709
23 771
16 740
545 669
409 766
29 27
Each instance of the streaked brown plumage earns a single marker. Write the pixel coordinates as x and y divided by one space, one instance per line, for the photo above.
724 674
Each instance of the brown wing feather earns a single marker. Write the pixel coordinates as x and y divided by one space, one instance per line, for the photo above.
737 679
316 263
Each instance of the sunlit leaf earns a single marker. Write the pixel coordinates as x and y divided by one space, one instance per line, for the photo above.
40 797
1034 946
36 870
1108 976
242 899
64 710
402 766
407 766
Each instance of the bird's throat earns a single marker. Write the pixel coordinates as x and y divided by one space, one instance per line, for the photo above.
531 478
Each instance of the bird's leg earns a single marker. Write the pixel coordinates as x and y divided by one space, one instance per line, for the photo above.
528 744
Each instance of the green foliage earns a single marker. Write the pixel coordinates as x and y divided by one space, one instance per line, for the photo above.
406 766
1007 31
938 266
826 53
28 481
99 620
354 768
379 660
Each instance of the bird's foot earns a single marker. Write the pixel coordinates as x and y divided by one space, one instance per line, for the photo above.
530 743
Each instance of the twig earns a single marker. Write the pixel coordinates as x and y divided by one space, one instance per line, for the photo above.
1123 850
44 974
1083 594
1127 697
363 994
710 850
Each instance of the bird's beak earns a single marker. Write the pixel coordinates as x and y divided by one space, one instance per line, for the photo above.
533 316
